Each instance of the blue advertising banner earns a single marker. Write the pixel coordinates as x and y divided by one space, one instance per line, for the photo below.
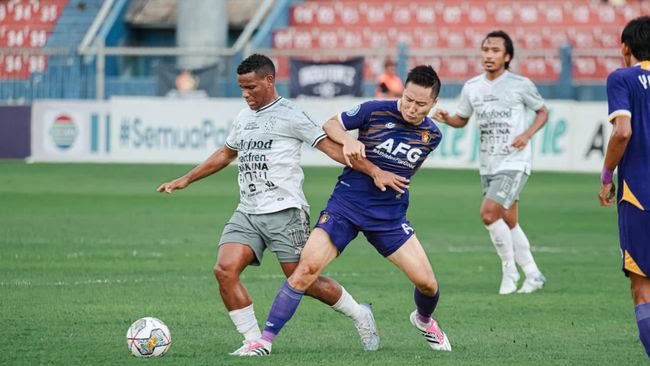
15 130
326 79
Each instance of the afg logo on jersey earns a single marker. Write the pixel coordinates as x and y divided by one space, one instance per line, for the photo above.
324 217
412 153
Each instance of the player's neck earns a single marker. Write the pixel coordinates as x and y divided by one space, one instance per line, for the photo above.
493 75
270 101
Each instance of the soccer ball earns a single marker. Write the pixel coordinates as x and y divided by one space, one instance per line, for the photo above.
148 337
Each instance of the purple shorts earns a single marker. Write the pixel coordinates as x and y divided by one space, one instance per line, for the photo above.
634 236
343 225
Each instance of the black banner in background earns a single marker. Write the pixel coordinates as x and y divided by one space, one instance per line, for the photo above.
326 79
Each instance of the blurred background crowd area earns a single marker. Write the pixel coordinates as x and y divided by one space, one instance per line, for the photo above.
96 49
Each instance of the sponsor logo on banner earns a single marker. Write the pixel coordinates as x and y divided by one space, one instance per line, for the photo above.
64 131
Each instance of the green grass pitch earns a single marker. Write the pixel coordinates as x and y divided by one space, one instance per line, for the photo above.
86 249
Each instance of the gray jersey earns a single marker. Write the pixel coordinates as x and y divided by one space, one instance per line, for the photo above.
500 109
268 144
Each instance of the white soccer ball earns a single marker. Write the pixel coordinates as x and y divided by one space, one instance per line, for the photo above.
148 337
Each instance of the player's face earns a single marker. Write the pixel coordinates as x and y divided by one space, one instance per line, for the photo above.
416 103
493 55
256 90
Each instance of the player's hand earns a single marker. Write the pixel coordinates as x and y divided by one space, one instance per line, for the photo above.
520 141
169 187
440 115
607 194
385 179
353 150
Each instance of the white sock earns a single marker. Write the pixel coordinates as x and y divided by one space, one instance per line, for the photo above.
246 323
502 240
348 306
523 255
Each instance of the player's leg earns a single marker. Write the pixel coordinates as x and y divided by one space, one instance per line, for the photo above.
317 253
535 280
640 287
292 226
411 259
231 262
634 235
330 292
239 247
496 190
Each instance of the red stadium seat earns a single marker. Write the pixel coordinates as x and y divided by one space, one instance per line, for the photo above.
26 24
462 25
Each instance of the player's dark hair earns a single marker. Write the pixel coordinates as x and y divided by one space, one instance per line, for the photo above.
636 35
507 41
425 76
260 64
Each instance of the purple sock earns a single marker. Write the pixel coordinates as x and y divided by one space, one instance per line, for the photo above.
425 304
284 306
643 321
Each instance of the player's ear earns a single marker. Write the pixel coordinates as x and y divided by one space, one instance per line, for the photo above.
626 52
270 79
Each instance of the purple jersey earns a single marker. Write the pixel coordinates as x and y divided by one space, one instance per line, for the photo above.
628 94
393 145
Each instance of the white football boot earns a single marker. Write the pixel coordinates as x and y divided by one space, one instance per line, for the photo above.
367 329
532 284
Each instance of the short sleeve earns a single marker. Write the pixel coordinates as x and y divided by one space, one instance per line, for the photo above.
231 140
618 100
356 117
464 108
306 129
531 97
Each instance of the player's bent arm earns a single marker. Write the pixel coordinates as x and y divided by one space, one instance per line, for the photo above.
455 121
353 149
217 161
541 116
381 178
615 149
618 141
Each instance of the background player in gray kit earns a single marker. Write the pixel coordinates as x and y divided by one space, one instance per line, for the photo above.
266 139
499 99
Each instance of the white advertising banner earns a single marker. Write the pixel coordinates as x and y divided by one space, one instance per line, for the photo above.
67 130
164 130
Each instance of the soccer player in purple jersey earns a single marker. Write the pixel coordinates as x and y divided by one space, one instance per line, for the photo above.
396 136
628 96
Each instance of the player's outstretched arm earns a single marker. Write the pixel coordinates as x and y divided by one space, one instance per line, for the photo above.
443 116
382 178
615 149
217 161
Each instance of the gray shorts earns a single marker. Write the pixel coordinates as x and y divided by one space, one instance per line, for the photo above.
284 233
504 187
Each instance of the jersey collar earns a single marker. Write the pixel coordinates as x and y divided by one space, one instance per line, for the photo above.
268 105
